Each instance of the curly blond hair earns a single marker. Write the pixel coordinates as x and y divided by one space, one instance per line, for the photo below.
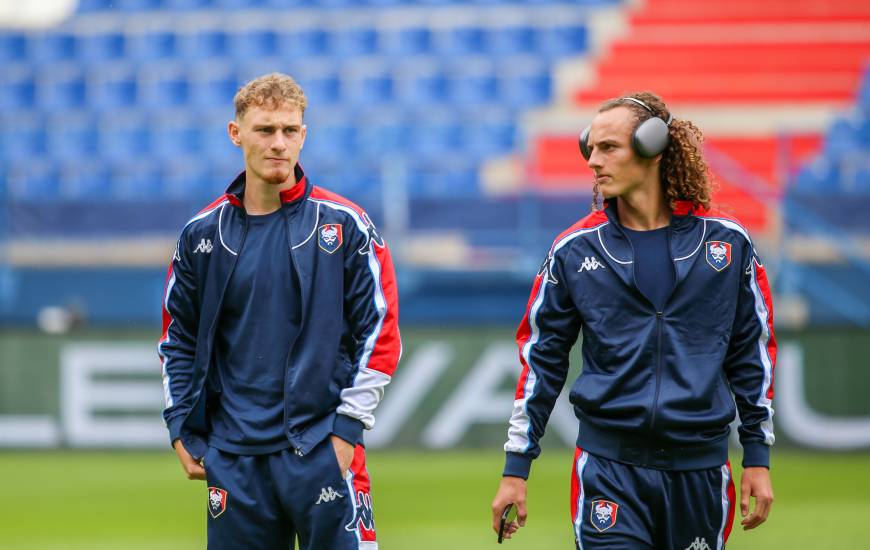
270 91
684 172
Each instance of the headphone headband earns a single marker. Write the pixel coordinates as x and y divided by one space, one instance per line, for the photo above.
647 107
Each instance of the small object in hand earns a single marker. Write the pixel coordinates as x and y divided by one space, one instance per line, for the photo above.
507 518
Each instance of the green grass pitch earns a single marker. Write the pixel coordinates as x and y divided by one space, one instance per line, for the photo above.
131 501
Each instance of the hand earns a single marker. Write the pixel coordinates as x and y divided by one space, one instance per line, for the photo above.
343 452
755 481
511 490
191 467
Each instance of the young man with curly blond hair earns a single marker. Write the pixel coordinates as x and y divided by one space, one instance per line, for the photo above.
280 332
676 315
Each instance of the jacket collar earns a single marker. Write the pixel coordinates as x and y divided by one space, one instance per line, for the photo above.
682 211
236 191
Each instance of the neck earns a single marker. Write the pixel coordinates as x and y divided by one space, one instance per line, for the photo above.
264 198
644 209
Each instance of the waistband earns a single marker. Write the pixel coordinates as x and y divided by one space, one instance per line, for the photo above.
631 449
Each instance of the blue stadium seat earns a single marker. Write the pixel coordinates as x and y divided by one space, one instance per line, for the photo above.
509 40
135 179
245 45
331 135
525 83
175 134
28 180
184 5
352 41
84 179
842 138
61 88
71 135
19 88
321 83
13 46
459 40
561 40
52 46
213 85
420 83
97 47
488 132
184 179
472 82
123 135
113 87
203 44
439 178
135 5
22 136
404 41
382 132
366 84
302 42
164 86
215 143
435 135
152 45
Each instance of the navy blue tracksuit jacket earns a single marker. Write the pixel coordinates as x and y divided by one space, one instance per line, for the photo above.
656 385
348 343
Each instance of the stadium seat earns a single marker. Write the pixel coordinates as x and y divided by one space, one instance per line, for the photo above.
198 44
152 45
472 82
302 43
215 143
28 180
524 84
123 135
61 88
13 47
420 83
488 133
112 87
405 41
135 179
164 86
434 135
366 84
85 179
52 46
184 179
19 88
459 40
184 5
321 84
71 135
175 134
382 132
561 40
22 136
331 136
509 40
98 47
352 41
213 85
252 43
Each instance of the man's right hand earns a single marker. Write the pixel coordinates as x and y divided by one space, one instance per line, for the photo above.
192 468
512 490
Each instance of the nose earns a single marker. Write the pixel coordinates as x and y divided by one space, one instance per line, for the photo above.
279 142
594 161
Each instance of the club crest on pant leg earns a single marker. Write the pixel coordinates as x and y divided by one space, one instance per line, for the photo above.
217 501
603 514
718 254
329 237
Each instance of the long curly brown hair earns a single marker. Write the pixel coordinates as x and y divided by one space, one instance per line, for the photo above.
683 170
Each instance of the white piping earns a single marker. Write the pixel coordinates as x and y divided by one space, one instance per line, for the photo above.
607 251
703 234
314 230
220 231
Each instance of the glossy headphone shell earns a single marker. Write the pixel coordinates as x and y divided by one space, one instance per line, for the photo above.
649 139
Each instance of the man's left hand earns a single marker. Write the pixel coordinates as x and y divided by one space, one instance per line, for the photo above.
343 452
755 482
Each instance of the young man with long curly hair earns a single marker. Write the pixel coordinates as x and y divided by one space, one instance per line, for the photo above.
676 315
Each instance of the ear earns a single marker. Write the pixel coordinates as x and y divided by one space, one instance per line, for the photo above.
233 130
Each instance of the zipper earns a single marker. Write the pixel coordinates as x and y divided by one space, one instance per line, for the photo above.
295 269
659 321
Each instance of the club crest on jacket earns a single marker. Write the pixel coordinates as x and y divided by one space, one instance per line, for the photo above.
718 254
329 237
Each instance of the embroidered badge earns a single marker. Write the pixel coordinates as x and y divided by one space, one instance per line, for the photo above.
603 514
718 254
330 237
217 501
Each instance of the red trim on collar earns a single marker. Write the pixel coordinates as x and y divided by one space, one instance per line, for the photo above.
294 193
683 208
234 200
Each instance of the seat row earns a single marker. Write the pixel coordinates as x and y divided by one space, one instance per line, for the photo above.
555 39
140 5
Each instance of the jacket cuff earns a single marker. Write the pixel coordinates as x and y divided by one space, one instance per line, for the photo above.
174 426
348 429
517 465
756 453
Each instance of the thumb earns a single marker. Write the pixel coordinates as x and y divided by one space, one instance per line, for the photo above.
522 513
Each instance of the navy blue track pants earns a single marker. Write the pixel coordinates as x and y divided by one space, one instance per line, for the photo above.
268 501
622 507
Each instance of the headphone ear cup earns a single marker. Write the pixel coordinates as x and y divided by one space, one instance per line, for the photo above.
584 139
651 137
